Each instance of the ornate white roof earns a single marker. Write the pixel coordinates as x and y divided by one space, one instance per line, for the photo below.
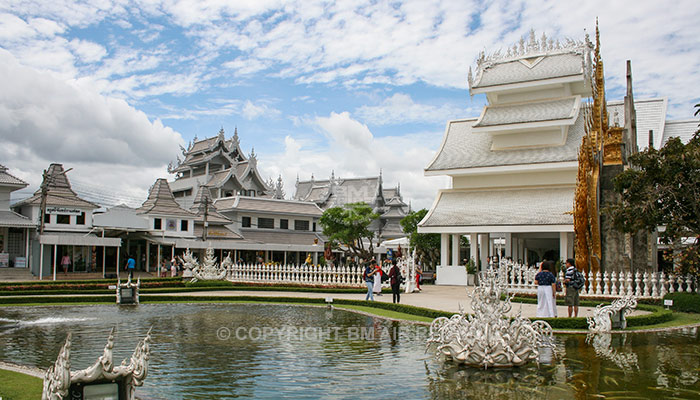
501 207
682 129
267 205
532 111
651 115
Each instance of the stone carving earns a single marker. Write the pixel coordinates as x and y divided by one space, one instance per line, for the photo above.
602 344
59 379
489 338
209 269
603 315
128 285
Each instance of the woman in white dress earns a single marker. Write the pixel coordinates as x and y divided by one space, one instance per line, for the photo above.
377 278
546 291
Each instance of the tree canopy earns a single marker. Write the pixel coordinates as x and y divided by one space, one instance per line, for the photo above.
427 245
347 229
662 189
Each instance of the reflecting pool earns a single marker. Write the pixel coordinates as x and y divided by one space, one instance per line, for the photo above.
219 351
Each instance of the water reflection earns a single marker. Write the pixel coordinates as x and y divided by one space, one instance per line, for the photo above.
369 357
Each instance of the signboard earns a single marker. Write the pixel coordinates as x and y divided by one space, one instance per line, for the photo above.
668 303
63 210
4 260
20 262
171 224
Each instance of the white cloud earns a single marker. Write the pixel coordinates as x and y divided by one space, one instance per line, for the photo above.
106 141
401 109
254 111
351 150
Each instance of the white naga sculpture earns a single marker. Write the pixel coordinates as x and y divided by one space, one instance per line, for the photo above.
489 338
60 383
128 292
209 270
602 320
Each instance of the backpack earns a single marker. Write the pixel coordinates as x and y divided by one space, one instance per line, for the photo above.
579 281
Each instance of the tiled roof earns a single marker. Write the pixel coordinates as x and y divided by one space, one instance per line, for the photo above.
201 200
651 115
540 206
462 148
161 201
281 237
516 71
267 205
8 179
682 129
533 111
203 144
13 220
59 192
219 232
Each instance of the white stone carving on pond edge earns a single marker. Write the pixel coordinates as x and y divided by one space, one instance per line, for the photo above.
489 338
58 377
209 270
602 315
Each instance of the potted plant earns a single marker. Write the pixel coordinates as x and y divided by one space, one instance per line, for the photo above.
471 271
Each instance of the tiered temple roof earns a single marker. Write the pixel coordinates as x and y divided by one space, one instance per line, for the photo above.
161 202
59 192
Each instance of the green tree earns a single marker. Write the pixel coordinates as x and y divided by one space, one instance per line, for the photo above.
427 245
663 189
347 229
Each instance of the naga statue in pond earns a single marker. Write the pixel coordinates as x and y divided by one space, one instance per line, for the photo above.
489 338
209 269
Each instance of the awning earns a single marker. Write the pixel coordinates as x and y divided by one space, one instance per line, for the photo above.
10 219
79 240
544 209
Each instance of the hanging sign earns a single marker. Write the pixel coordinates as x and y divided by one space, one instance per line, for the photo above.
63 210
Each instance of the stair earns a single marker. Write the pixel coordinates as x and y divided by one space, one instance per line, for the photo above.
15 274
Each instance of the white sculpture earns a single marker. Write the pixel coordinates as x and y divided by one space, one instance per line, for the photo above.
209 270
602 344
489 338
602 315
128 285
59 378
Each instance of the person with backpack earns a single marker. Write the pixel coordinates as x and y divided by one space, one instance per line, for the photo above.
396 278
574 281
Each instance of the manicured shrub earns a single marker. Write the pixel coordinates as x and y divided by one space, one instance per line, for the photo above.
684 302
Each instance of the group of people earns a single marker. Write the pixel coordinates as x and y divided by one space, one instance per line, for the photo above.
547 289
374 275
172 267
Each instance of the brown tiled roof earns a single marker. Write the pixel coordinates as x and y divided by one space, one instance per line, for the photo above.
162 202
59 192
8 179
281 237
201 200
259 204
13 220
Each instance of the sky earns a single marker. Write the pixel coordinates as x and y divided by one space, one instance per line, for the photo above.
113 88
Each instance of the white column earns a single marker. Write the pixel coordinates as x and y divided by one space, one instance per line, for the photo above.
484 245
285 258
315 258
55 250
570 247
104 256
514 247
525 260
41 260
26 249
563 245
474 247
509 244
455 249
443 248
148 256
158 260
117 267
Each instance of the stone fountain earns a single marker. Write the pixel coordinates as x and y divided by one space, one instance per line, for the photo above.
209 269
489 338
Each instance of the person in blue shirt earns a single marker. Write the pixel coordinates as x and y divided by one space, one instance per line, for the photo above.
546 291
368 275
130 265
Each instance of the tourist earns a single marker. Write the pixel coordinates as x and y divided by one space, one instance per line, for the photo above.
130 265
65 263
395 281
173 268
546 291
572 287
419 275
377 288
368 276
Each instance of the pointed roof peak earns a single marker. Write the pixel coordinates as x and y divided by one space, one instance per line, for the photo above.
161 201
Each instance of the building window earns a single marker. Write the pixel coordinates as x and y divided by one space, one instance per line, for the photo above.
63 219
184 225
47 218
314 227
157 224
245 222
301 225
80 219
284 224
266 223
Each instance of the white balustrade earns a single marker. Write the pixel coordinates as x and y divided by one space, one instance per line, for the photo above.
336 275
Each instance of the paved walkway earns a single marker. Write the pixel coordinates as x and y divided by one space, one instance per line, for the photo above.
445 298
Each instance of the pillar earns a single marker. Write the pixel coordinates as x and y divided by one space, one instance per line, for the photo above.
484 245
41 260
315 258
455 249
509 244
563 245
158 260
55 250
117 267
474 247
443 248
104 255
148 256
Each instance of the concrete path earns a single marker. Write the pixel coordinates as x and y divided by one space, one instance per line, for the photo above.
445 298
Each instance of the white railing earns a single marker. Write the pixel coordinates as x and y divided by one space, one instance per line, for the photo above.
296 274
521 279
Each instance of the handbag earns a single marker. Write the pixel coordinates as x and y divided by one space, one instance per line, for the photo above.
559 288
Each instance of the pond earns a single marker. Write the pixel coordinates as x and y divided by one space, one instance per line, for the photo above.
219 351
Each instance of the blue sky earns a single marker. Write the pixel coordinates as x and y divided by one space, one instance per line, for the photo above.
112 88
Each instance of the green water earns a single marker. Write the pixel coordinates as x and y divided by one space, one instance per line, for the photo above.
221 351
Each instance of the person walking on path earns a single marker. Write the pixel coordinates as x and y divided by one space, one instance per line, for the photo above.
419 275
573 285
130 265
395 280
546 291
65 263
368 275
377 278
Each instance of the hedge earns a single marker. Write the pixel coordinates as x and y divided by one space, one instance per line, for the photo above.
191 289
684 302
83 281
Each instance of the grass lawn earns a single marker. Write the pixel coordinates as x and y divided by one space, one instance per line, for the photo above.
679 319
16 386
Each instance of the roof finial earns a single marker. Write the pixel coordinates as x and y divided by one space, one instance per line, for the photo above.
221 132
297 183
470 78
